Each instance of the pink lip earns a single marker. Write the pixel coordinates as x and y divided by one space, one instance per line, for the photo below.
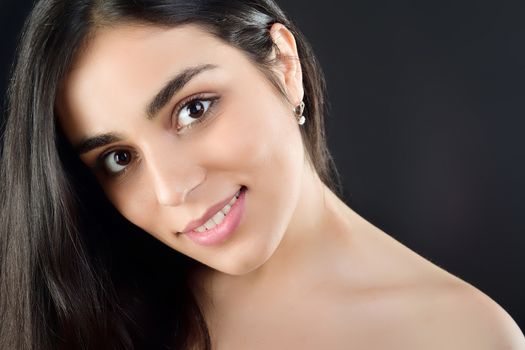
221 232
207 215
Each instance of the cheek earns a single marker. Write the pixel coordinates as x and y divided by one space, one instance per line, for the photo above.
257 140
132 200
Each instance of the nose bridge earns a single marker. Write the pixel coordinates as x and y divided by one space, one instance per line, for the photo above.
171 175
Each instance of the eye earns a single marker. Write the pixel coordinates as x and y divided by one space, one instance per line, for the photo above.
116 161
194 111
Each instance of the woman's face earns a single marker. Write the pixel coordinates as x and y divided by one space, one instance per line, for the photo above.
173 123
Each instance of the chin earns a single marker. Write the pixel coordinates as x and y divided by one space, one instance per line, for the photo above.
242 264
239 269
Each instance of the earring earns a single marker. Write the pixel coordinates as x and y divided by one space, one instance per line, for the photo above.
298 111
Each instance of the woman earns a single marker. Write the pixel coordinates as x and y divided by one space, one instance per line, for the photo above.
201 123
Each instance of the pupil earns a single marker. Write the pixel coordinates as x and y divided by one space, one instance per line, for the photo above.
196 109
122 158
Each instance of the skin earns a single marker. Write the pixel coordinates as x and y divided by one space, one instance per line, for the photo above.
302 271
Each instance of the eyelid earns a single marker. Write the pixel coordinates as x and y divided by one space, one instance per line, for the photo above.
204 96
99 163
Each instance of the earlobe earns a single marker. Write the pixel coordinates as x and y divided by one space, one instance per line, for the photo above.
289 64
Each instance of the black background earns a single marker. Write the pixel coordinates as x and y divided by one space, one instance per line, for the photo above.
426 125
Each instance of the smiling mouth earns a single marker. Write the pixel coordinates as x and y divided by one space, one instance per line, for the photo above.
219 227
219 216
214 215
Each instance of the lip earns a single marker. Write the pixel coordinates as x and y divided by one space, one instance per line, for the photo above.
208 214
221 232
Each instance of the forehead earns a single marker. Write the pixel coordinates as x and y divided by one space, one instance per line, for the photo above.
122 67
114 48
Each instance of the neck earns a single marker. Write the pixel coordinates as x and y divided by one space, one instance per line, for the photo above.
314 234
317 217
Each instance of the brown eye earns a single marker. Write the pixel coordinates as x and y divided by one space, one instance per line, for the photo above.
193 112
122 157
195 109
117 161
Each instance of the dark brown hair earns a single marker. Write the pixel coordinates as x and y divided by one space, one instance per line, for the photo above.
64 284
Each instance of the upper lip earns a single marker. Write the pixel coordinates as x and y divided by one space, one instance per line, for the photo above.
208 214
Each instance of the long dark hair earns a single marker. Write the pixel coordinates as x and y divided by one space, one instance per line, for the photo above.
65 281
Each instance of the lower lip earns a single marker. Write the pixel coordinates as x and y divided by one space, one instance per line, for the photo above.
225 229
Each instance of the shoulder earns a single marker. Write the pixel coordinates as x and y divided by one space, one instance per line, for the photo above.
459 316
421 306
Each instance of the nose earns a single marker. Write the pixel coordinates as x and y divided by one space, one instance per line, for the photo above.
172 179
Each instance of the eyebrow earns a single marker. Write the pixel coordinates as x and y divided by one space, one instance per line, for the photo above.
173 86
95 142
158 102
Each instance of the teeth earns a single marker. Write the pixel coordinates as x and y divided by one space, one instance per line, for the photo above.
234 198
226 209
209 224
219 217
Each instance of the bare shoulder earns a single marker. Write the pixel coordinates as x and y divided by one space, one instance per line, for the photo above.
415 304
459 316
430 308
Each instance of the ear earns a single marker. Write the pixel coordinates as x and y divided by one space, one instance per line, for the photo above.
288 67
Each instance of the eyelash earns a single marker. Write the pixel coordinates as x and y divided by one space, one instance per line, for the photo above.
186 102
99 165
180 106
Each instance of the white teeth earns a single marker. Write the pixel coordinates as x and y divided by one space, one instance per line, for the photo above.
226 209
234 198
219 217
209 224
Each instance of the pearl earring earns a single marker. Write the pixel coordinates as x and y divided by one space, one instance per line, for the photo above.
298 111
